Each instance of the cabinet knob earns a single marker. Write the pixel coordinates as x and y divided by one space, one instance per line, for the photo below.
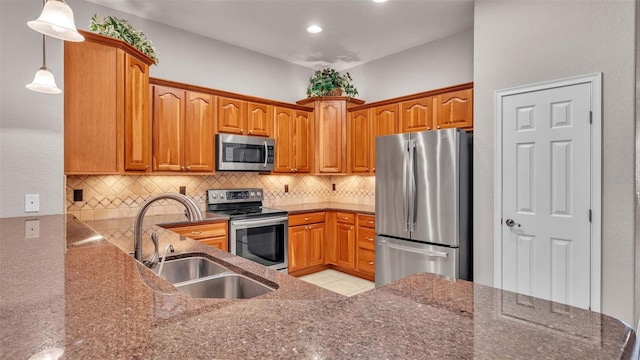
374 169
296 169
428 128
345 218
189 167
438 126
366 169
194 232
241 130
183 168
370 262
250 131
370 239
291 169
307 219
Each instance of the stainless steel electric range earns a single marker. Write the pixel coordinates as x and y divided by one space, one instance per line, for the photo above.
256 233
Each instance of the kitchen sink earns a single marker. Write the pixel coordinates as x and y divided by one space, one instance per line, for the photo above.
226 286
200 277
190 268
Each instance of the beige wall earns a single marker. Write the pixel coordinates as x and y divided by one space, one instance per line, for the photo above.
524 42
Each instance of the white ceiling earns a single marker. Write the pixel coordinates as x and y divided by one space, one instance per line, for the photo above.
354 31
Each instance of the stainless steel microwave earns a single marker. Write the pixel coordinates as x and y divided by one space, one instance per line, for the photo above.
244 153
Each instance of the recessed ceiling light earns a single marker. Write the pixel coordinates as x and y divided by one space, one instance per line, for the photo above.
379 1
314 29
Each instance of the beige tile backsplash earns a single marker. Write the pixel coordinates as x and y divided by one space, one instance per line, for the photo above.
118 196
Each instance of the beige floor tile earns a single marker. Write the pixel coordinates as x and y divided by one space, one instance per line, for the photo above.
320 278
339 282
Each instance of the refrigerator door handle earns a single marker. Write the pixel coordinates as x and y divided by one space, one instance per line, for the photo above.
413 196
405 194
417 251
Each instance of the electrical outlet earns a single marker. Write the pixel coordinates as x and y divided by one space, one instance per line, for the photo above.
183 190
32 203
286 188
31 228
333 187
77 194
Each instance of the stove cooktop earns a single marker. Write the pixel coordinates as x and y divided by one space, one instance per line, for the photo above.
249 212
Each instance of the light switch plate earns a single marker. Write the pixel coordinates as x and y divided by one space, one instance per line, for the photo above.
32 228
32 203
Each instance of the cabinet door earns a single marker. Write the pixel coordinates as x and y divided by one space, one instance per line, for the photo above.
297 248
137 122
231 115
454 110
416 115
198 132
284 140
302 142
315 244
220 242
360 141
259 119
168 122
330 140
345 243
385 122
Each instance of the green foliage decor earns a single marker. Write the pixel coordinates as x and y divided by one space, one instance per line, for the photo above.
325 81
122 30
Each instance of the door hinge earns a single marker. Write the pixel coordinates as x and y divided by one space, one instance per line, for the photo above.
590 117
589 215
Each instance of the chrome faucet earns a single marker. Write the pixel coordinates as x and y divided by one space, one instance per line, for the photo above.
193 214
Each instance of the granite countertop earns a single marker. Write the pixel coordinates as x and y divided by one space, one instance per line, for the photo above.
324 206
69 291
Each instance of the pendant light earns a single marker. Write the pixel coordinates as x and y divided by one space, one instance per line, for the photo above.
44 81
56 20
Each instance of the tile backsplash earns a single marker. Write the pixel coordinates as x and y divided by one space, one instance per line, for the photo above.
118 196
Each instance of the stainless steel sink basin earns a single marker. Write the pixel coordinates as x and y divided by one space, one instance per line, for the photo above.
226 286
185 269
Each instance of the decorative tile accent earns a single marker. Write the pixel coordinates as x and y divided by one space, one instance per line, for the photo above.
116 196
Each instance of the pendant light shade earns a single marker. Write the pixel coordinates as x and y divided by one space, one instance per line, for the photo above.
56 20
44 81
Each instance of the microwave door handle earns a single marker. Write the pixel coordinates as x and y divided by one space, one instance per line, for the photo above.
266 154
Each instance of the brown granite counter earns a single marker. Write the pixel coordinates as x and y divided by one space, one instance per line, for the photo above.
326 206
89 299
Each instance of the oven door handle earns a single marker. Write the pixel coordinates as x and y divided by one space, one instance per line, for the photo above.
244 223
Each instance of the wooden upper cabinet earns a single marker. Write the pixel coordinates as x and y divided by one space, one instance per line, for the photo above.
302 141
416 115
384 120
137 122
454 109
199 132
293 143
360 135
168 125
330 140
284 132
107 127
232 115
259 119
182 130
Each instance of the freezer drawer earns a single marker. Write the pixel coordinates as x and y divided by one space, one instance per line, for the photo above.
396 259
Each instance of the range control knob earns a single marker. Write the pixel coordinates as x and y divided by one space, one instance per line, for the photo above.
259 194
253 194
214 196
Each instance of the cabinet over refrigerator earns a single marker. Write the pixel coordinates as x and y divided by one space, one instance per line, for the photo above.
423 205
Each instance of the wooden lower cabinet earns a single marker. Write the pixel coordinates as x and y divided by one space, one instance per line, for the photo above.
306 245
214 234
345 245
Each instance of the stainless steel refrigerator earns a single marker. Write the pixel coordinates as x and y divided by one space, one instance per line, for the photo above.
423 205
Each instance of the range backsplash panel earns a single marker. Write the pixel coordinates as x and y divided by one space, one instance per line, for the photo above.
118 196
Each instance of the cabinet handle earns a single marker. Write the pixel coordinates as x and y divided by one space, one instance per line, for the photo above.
374 169
241 130
189 167
345 218
428 128
296 169
366 169
250 131
369 222
370 262
438 126
291 169
146 166
182 168
307 219
368 238
194 232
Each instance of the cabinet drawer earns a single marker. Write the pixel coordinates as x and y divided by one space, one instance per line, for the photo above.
345 217
367 221
306 218
202 231
366 238
366 261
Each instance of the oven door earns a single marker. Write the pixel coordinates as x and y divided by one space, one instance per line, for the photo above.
263 240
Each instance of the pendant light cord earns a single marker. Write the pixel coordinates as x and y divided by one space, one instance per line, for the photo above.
44 52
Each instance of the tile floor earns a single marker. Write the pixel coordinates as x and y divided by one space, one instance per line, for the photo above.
339 282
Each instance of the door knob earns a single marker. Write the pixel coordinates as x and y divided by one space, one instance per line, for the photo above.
511 223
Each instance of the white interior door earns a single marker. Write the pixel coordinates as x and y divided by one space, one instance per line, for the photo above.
546 194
